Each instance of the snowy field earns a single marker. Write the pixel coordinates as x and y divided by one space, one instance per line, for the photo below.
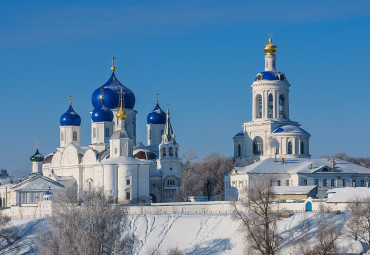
203 234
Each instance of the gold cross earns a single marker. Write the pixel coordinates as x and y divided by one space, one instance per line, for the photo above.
113 68
157 94
37 142
70 99
168 109
270 33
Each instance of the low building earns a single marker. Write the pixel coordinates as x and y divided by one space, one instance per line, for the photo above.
325 174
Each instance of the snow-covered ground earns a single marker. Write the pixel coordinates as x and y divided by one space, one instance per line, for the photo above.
203 234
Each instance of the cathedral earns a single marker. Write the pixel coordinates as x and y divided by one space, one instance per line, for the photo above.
271 133
129 172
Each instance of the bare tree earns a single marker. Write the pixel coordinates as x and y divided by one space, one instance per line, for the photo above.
9 235
90 224
319 236
359 219
259 219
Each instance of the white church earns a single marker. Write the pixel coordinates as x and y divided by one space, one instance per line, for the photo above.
280 147
129 172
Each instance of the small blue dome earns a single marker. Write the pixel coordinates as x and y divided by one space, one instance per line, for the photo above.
111 97
48 193
70 118
157 116
102 113
271 76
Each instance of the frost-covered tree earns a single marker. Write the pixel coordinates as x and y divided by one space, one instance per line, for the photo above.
259 219
359 219
9 235
90 224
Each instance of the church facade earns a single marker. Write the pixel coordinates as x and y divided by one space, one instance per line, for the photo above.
129 172
271 132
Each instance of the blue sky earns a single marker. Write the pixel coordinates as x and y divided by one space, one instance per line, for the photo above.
201 56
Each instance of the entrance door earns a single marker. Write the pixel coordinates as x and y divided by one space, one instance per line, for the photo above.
308 207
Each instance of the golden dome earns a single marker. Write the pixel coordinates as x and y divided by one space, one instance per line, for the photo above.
121 115
270 49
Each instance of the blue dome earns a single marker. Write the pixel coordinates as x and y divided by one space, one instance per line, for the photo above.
70 118
271 76
290 129
102 113
111 97
48 193
157 116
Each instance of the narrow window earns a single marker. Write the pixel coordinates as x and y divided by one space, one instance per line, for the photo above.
325 183
362 183
281 107
61 136
270 107
290 148
287 183
343 182
239 151
94 132
106 132
74 136
332 182
305 182
302 148
278 183
258 146
170 151
128 195
317 182
128 182
259 105
176 152
164 152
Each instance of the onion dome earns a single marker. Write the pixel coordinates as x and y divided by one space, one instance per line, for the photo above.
70 117
270 49
102 113
270 76
157 116
290 129
111 89
37 157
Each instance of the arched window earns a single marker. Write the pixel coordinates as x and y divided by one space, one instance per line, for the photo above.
325 183
106 132
290 148
258 146
164 151
259 105
282 107
74 136
239 150
302 147
270 108
171 151
61 136
94 132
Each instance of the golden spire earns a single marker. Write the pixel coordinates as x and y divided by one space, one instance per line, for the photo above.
270 49
121 115
102 94
168 110
113 68
157 94
70 99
